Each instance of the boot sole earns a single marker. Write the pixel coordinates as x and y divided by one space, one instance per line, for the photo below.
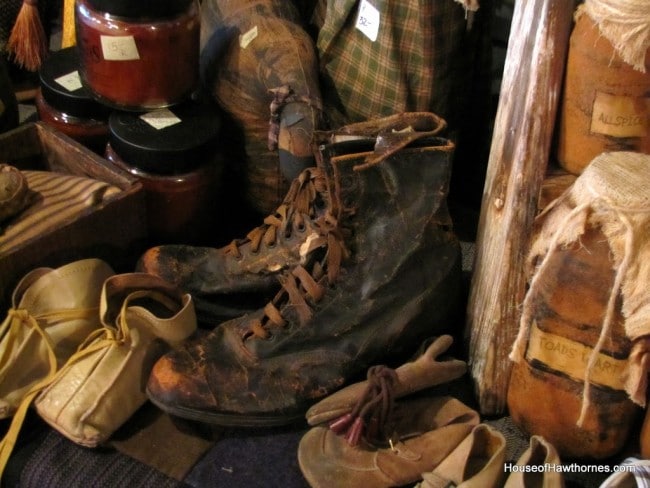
228 419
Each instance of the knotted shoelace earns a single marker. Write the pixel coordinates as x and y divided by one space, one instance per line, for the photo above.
372 409
297 207
10 330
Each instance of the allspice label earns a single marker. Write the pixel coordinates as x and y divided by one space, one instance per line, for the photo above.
619 115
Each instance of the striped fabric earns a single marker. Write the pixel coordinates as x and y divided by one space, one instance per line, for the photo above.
410 66
59 198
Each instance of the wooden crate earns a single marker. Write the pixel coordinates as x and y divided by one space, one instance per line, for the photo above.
114 230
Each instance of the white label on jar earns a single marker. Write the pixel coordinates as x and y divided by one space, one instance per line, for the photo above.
159 119
71 81
368 20
246 38
119 48
620 116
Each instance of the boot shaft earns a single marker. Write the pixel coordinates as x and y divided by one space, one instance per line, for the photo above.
395 209
392 219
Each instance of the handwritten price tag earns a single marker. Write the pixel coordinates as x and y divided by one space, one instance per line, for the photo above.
119 48
368 20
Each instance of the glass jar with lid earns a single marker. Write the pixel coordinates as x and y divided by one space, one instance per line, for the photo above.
175 154
139 55
64 103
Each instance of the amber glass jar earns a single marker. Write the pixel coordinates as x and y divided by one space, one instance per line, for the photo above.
138 55
65 104
175 154
606 101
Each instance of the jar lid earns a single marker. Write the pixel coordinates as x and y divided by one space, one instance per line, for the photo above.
145 9
62 88
165 141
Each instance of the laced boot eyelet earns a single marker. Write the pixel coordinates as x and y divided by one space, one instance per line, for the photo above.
271 245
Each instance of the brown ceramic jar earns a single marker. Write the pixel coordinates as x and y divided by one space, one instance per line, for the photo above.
605 104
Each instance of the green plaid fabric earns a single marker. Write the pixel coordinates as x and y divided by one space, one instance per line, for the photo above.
411 66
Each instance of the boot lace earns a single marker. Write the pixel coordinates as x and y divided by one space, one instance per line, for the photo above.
301 203
306 284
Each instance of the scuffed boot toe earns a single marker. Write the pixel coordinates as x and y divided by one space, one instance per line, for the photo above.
173 263
177 386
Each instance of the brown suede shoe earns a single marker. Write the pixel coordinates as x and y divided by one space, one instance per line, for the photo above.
425 372
419 434
477 462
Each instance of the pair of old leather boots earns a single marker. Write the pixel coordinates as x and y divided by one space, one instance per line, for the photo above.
393 429
361 264
78 343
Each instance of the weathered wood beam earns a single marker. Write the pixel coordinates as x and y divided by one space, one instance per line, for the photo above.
519 154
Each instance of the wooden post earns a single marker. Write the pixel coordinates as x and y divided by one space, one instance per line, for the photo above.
519 154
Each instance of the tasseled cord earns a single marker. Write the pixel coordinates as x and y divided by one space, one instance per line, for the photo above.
371 410
526 319
28 43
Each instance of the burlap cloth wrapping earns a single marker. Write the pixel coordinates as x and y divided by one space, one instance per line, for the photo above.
612 193
624 23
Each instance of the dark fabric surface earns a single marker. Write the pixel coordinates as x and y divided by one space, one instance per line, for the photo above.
240 458
252 459
49 459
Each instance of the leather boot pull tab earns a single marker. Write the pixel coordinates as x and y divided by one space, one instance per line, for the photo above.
389 143
395 137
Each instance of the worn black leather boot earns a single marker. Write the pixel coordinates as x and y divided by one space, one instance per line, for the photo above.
239 278
235 279
380 274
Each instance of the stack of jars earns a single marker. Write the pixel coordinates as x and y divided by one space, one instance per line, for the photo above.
126 91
